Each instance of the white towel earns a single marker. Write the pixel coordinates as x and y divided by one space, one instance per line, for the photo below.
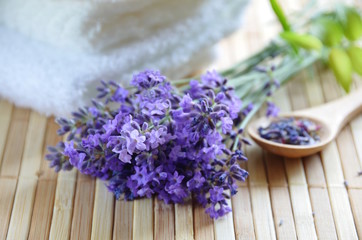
56 80
88 26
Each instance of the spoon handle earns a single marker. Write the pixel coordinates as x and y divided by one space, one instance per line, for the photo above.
338 112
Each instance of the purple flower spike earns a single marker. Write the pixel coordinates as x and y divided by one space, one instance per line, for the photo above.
186 103
212 78
147 79
272 110
226 124
75 158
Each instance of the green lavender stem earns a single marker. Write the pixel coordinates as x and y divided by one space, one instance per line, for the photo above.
283 73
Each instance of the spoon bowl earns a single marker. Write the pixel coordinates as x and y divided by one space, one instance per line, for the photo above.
289 150
331 117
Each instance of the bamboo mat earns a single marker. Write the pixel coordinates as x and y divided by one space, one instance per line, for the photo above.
315 197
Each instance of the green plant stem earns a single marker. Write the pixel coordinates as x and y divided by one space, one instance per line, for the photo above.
280 14
283 73
248 64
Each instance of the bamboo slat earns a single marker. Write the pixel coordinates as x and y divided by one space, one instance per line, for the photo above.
356 200
256 168
184 227
356 126
42 210
342 213
332 166
330 89
45 191
302 212
337 193
275 170
299 195
296 90
280 200
5 117
164 224
10 166
313 90
123 220
7 187
262 213
22 209
25 193
63 205
295 171
259 192
283 214
143 219
203 225
314 171
349 159
103 212
34 146
322 213
83 208
15 143
243 216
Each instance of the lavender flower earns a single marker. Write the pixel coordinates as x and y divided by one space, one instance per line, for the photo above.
152 139
272 110
135 141
291 131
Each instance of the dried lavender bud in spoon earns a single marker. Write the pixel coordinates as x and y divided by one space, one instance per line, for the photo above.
291 131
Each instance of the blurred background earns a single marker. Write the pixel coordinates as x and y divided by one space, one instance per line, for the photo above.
54 52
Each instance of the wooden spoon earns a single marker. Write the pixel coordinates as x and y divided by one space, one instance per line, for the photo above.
331 117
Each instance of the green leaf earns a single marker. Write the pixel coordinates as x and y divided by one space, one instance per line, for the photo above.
302 40
342 67
280 14
352 24
355 54
330 31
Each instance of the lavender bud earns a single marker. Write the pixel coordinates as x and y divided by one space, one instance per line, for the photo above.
135 125
260 69
144 126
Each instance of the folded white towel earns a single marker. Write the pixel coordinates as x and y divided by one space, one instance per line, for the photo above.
88 26
55 81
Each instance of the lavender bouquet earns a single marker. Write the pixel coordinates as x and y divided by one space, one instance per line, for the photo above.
183 139
153 139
